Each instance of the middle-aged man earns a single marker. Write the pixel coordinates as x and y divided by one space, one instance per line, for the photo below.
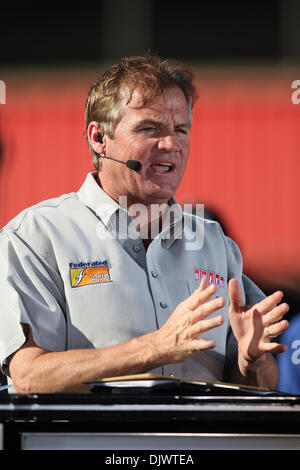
101 283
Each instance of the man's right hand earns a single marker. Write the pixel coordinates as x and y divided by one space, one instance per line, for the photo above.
181 336
36 370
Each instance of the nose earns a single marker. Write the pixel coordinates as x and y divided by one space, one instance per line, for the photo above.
169 143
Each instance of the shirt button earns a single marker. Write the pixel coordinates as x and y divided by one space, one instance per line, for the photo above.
136 248
163 305
153 274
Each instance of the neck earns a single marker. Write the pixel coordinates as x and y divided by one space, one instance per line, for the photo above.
148 217
148 220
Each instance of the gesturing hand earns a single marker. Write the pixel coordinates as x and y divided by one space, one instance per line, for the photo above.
254 326
180 337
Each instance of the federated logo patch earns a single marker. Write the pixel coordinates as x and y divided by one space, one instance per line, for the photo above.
212 276
89 274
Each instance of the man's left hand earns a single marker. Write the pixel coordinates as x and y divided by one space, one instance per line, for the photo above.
254 326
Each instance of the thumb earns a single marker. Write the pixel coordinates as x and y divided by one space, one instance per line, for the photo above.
235 295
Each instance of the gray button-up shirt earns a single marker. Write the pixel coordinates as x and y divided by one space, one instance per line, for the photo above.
75 269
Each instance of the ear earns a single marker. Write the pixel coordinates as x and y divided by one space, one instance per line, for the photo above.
92 133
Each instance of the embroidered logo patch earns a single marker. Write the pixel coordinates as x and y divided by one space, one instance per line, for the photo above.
211 275
89 274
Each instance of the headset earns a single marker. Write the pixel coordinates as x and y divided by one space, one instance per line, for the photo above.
131 164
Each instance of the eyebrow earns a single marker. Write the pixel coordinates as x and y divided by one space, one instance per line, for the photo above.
157 122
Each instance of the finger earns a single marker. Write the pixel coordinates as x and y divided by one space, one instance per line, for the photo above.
257 324
200 296
204 283
206 309
206 325
277 329
265 305
274 348
202 344
276 314
235 295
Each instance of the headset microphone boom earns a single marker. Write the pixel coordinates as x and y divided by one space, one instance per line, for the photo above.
131 164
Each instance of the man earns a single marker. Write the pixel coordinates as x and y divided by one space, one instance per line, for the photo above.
85 296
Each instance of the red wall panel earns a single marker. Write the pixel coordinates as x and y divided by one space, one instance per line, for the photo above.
244 160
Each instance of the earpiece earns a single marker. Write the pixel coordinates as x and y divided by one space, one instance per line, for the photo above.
99 137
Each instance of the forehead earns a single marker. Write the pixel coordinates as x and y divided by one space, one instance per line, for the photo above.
169 105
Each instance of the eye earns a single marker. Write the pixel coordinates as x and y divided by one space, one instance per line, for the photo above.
151 131
181 130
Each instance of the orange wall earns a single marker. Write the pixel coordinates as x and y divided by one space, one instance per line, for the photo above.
244 161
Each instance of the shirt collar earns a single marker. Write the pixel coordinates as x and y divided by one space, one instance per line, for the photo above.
173 227
93 196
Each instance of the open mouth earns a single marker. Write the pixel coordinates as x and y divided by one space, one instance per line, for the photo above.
163 167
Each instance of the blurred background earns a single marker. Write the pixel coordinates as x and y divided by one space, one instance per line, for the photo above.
245 144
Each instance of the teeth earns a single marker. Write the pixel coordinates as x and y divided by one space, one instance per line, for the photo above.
159 167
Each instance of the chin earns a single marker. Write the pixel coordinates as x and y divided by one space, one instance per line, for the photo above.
155 194
160 197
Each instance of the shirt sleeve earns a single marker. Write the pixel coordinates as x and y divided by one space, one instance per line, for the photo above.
252 294
29 293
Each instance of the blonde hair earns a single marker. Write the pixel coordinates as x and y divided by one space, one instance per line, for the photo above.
149 73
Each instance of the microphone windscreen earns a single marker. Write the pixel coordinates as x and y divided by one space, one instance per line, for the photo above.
134 165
